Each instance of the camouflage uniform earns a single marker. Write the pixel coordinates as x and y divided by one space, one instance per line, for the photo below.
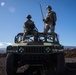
29 28
50 22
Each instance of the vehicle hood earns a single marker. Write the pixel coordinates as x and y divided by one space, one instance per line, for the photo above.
36 43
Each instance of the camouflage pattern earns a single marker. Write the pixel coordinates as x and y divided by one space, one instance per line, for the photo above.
28 16
50 22
29 28
49 7
34 32
29 25
50 17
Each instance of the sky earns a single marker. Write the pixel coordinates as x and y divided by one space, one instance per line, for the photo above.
13 15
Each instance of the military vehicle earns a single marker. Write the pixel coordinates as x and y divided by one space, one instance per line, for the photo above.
42 57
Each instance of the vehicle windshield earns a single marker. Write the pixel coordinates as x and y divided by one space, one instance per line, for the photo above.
49 37
30 38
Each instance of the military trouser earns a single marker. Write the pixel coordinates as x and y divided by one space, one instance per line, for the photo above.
52 28
29 32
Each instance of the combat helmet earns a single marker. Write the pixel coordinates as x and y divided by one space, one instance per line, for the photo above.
28 16
49 7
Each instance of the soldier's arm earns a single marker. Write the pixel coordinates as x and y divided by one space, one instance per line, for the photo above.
55 17
46 19
24 25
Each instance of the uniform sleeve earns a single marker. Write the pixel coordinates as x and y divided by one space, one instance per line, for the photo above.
47 18
24 25
55 17
32 25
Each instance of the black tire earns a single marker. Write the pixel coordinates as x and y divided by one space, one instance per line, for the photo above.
11 65
60 69
56 65
48 69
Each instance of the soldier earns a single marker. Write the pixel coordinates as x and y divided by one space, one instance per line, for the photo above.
29 28
50 22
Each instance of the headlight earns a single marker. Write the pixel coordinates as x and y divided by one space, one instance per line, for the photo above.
15 49
9 47
48 49
12 49
21 49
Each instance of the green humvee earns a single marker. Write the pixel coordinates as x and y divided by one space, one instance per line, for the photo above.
41 57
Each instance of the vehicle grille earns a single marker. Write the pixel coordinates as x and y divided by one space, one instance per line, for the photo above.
35 49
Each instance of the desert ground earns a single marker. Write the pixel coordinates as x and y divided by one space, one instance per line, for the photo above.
70 59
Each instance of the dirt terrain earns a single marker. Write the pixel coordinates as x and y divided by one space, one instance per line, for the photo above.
70 58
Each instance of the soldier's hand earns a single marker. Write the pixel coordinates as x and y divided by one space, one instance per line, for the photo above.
54 24
43 19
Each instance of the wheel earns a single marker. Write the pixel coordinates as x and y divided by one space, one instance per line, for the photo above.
11 65
60 68
48 69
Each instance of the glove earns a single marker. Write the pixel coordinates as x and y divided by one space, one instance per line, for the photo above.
54 24
44 20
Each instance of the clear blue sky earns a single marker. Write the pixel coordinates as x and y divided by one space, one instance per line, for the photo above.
13 14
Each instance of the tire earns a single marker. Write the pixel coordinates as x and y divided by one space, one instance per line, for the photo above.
48 69
11 65
60 69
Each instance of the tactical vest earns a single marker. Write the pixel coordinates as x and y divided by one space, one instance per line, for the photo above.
50 17
29 25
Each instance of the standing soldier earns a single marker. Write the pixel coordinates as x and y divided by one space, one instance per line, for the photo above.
50 22
29 28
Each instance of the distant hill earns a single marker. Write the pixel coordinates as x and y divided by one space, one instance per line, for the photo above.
70 47
2 50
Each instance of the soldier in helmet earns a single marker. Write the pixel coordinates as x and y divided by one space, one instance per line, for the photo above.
50 22
29 28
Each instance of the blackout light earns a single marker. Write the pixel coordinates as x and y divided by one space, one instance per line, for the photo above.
48 49
21 49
